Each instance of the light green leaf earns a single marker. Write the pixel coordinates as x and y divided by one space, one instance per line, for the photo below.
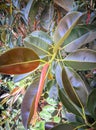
82 59
39 41
39 126
43 36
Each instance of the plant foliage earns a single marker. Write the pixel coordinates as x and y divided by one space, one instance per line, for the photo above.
54 59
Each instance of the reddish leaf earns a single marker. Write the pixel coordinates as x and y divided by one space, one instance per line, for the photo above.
31 99
40 88
27 107
18 61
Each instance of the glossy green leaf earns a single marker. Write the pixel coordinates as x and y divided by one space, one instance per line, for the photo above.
82 59
65 27
78 37
18 61
39 41
78 32
63 127
69 88
77 83
91 103
27 107
68 5
69 105
64 82
47 16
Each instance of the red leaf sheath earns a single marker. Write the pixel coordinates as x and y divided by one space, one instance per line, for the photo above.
41 85
88 17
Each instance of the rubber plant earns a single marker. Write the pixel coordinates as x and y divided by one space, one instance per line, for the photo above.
61 57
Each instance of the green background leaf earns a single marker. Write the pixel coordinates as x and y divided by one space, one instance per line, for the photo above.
91 103
63 127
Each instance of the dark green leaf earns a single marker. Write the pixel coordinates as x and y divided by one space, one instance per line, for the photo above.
69 89
63 127
77 83
91 103
79 36
83 59
69 105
